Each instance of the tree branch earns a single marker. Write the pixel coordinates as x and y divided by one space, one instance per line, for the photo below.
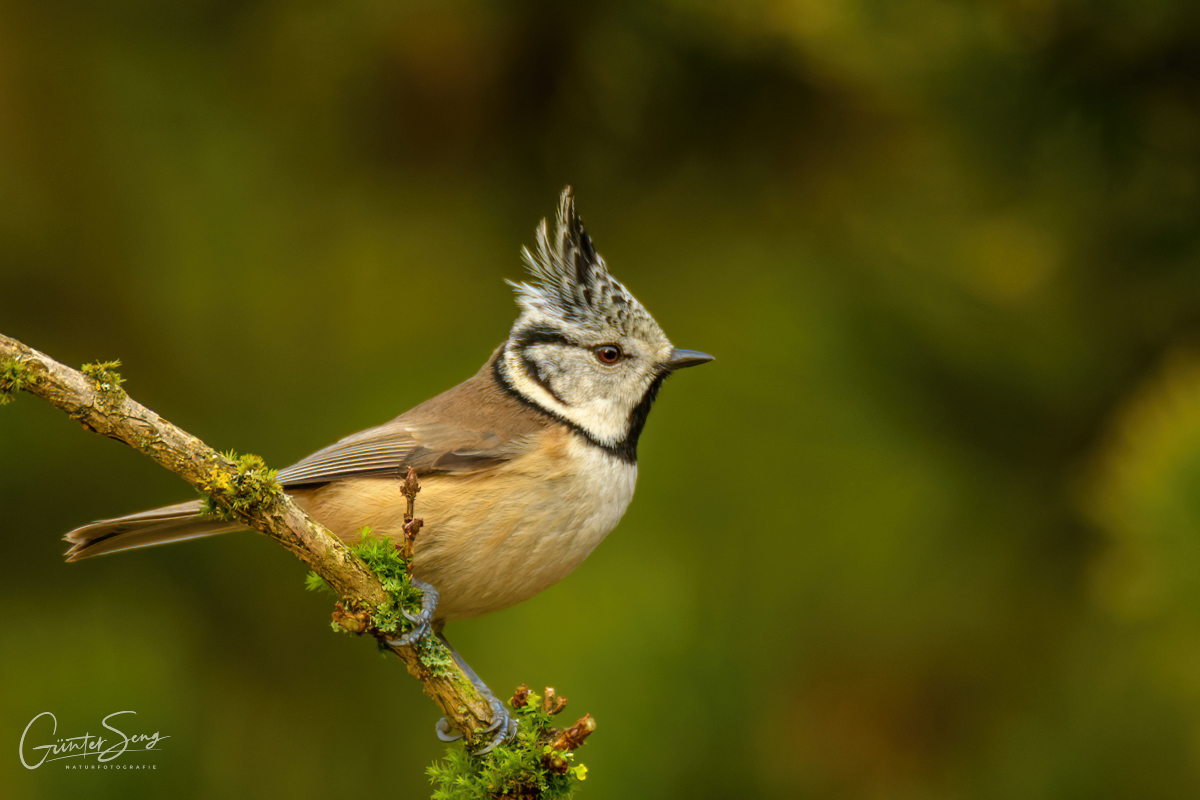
244 488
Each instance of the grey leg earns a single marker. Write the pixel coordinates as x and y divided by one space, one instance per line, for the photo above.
504 726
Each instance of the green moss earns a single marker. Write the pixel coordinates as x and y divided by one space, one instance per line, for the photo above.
15 375
315 583
386 561
510 770
253 485
436 657
104 376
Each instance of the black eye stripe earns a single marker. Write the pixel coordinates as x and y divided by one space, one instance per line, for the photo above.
540 334
544 334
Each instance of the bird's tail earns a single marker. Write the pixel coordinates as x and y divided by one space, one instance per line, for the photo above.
157 526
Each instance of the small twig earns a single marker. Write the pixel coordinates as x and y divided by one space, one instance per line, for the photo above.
552 704
572 738
567 742
560 742
412 526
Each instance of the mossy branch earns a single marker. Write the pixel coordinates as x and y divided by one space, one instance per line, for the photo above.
240 488
538 765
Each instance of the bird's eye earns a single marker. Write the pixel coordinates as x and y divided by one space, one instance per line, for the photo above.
608 353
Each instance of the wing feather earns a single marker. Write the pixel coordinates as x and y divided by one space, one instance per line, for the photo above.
390 449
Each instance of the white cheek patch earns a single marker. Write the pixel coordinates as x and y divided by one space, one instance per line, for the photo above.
601 419
605 419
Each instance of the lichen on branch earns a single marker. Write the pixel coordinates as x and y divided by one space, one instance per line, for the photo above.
104 375
253 485
15 375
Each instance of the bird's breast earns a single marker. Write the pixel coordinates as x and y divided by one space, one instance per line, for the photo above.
494 538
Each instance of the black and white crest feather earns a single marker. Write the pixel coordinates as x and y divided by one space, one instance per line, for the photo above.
570 308
571 282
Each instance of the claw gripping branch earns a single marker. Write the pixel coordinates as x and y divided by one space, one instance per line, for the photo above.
538 764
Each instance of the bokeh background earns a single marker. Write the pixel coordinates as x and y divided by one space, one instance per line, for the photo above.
928 528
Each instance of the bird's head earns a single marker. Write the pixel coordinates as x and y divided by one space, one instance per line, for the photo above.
584 348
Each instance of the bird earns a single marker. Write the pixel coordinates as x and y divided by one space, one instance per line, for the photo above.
525 467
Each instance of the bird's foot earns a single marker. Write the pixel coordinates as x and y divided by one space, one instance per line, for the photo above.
445 732
502 729
423 620
503 726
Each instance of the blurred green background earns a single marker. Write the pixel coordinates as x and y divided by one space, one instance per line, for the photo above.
928 528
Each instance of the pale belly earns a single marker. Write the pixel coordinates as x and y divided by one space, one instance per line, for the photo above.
494 539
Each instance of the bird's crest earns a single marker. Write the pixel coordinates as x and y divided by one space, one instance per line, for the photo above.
571 282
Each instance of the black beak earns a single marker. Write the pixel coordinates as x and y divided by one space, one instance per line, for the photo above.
686 358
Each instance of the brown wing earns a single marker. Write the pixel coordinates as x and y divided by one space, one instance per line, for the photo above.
469 428
392 448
